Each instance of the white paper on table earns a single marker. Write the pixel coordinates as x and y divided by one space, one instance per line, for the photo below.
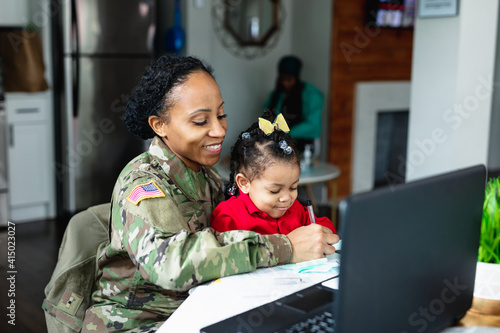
324 265
332 284
231 295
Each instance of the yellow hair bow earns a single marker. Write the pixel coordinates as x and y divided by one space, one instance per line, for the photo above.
279 124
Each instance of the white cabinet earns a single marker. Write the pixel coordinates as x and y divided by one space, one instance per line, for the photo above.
28 178
30 154
13 13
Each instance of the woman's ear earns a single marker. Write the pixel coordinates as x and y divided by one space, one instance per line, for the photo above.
158 125
242 182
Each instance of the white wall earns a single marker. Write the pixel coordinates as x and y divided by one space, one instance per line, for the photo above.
451 97
245 83
311 31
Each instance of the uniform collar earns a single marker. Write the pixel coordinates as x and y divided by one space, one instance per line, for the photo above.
196 185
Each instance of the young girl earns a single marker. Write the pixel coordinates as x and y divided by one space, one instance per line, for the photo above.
263 183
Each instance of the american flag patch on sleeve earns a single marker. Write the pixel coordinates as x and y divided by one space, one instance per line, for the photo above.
144 191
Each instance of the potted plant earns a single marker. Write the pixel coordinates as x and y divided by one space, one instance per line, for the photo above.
485 310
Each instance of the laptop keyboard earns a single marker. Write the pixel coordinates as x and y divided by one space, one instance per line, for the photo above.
320 323
313 306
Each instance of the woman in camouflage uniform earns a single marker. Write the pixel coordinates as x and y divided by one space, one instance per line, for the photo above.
161 243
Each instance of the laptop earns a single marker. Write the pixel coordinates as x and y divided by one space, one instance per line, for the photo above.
408 263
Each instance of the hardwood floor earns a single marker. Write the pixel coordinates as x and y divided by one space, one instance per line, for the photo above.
36 249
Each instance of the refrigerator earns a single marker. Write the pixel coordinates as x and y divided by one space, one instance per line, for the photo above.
104 46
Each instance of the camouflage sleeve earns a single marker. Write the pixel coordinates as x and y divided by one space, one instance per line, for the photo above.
171 255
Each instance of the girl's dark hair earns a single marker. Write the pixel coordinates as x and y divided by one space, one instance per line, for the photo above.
254 152
152 95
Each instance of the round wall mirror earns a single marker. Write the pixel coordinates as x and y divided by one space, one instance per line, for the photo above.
249 28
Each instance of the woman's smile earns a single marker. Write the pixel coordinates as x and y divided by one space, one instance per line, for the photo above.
214 148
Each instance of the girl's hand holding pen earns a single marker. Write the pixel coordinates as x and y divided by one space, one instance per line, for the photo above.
310 210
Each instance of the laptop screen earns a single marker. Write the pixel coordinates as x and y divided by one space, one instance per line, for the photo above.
409 254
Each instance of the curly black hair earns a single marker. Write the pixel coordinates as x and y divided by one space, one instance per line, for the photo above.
254 152
152 95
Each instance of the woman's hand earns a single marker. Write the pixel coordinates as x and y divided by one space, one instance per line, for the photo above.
312 242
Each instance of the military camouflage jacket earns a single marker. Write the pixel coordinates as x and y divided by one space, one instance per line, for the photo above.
161 244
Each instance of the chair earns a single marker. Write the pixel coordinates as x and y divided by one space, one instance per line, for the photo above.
69 291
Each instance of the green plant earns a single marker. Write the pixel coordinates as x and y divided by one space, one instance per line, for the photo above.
489 246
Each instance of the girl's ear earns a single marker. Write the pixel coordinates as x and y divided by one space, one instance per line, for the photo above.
242 182
158 125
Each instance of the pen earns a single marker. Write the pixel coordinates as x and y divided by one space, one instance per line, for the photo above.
311 211
287 280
